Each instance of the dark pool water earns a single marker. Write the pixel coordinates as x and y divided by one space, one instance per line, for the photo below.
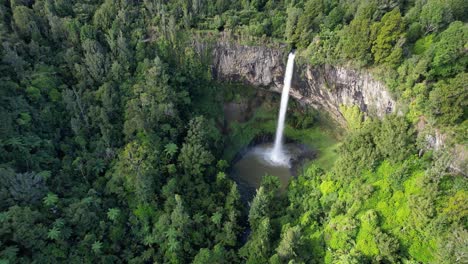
255 164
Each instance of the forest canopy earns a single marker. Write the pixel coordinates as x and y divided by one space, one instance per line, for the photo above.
111 149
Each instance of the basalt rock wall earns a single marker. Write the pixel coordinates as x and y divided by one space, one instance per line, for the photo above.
324 87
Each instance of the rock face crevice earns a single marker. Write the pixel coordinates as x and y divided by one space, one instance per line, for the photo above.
324 87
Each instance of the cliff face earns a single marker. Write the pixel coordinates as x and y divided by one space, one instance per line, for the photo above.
323 87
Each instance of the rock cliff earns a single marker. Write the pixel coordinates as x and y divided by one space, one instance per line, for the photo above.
323 87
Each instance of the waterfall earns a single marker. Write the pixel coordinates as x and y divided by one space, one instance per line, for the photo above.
278 155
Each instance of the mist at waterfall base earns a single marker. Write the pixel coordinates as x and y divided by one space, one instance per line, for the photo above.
272 159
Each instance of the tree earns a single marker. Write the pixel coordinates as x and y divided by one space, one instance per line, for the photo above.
180 226
290 240
394 139
449 53
113 214
194 155
233 198
152 103
387 34
25 22
14 60
216 255
53 233
23 227
97 247
452 246
358 152
51 199
104 15
24 188
448 100
84 213
388 247
95 60
204 132
355 41
194 158
293 17
170 149
435 14
351 257
353 116
230 231
259 208
107 115
308 22
258 247
137 168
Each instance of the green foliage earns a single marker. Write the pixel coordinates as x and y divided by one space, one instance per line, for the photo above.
51 199
258 247
323 49
53 233
449 58
259 207
395 139
435 15
113 214
97 247
170 149
24 119
423 44
111 136
387 34
453 247
33 93
194 158
23 188
290 240
217 255
355 41
353 116
303 119
448 100
25 22
291 22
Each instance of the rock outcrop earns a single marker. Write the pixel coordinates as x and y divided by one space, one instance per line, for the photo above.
323 87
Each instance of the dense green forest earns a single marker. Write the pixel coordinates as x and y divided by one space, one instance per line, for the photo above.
111 147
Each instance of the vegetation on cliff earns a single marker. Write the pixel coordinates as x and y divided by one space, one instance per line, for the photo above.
111 149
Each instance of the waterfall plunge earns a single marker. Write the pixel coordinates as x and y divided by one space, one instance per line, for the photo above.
278 156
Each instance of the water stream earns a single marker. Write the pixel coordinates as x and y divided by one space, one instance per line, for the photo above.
272 159
278 155
278 159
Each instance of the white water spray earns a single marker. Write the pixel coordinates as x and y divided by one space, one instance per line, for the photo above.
277 155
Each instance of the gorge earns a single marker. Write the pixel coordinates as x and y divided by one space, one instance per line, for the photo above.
323 87
269 159
184 131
